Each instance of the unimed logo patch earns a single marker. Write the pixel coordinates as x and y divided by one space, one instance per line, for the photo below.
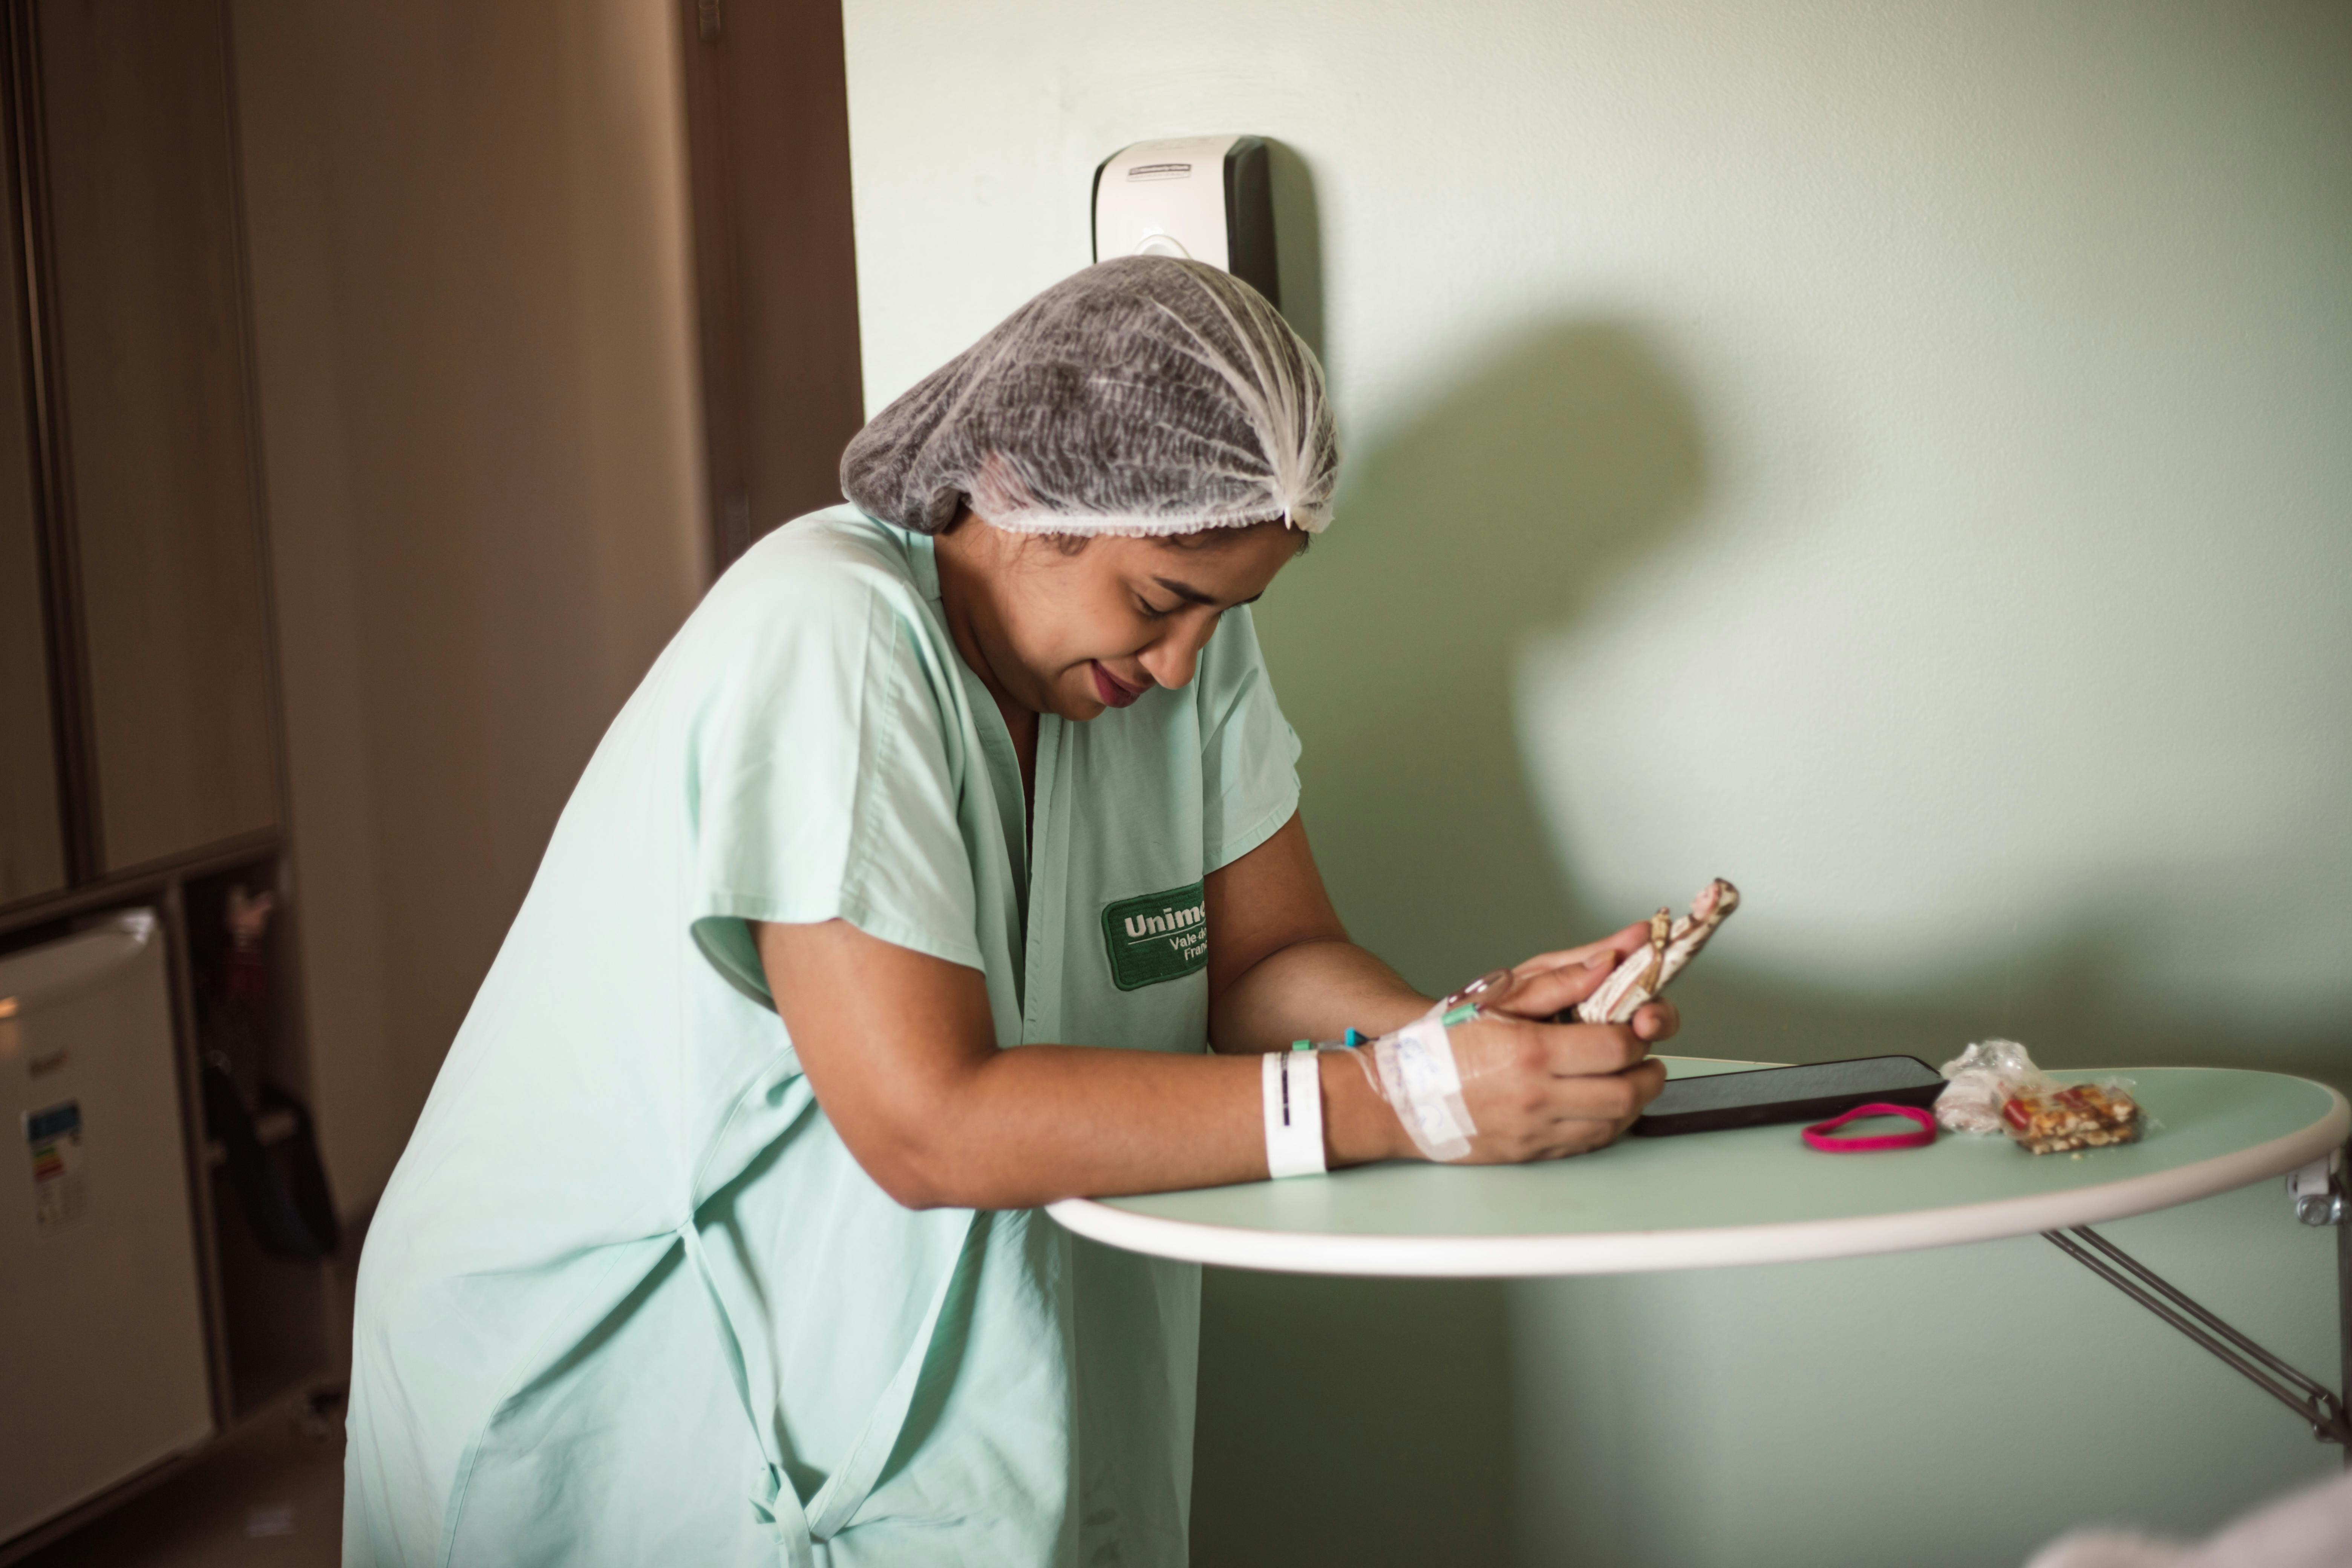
1160 936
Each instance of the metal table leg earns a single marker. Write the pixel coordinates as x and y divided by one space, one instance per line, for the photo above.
2320 1198
2342 1221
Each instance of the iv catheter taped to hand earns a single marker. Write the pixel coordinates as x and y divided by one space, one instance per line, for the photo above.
1415 1070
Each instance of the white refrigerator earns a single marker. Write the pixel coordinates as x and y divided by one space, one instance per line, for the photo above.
101 1326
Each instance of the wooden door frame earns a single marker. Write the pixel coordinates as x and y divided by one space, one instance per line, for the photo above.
63 633
775 276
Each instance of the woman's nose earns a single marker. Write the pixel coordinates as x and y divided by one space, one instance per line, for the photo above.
1172 660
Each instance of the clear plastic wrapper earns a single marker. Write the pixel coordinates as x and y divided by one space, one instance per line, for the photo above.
1984 1078
2058 1121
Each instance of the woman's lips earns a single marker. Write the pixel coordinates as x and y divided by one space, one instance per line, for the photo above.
1114 692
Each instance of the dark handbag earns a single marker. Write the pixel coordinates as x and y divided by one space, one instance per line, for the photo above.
281 1187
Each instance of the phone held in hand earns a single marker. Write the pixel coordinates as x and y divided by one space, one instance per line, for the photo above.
1810 1091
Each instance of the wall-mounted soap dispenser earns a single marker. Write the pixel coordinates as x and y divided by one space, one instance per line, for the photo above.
1205 197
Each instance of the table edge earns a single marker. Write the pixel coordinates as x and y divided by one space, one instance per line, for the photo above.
1657 1251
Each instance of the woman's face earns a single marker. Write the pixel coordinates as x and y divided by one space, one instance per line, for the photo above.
1073 633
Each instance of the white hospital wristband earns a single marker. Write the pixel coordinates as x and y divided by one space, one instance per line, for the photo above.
1293 1085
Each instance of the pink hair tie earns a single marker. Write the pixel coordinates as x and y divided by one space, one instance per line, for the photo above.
1818 1136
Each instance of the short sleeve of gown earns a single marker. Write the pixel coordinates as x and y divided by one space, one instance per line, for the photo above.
823 787
1249 755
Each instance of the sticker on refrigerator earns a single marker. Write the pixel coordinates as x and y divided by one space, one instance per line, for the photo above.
58 1181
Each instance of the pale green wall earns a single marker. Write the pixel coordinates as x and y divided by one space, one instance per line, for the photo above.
1895 456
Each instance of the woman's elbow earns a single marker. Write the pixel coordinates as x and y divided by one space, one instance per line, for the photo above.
921 1172
928 1147
912 1189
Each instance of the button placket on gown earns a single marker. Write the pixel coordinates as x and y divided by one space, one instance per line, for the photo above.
1042 924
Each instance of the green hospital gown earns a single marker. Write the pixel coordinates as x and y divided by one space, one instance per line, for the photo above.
628 1298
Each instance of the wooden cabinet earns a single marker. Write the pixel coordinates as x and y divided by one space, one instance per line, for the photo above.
139 744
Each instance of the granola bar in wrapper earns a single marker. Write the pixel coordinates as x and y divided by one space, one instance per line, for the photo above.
2080 1116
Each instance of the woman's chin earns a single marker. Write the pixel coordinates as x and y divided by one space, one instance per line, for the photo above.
1072 698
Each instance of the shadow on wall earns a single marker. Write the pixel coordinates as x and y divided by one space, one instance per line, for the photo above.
1517 498
1509 506
1508 503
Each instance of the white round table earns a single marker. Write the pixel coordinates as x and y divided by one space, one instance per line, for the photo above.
1756 1195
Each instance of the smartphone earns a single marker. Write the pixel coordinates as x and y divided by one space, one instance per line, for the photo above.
1811 1091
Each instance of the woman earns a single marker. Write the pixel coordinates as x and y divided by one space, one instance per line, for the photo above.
718 1242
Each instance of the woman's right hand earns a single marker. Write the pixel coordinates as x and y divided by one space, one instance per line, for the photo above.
1540 1091
1543 1092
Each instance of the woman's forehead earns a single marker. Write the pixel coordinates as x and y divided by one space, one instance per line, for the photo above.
1231 571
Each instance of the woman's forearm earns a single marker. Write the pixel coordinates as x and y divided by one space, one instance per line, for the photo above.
1028 1125
900 1048
1041 1122
1034 1123
1312 990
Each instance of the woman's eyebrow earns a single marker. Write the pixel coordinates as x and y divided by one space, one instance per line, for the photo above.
1191 596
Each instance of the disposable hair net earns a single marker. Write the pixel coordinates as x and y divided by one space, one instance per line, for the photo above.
1143 395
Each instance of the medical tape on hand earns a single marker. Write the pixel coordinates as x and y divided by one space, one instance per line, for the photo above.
1418 1080
1293 1091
